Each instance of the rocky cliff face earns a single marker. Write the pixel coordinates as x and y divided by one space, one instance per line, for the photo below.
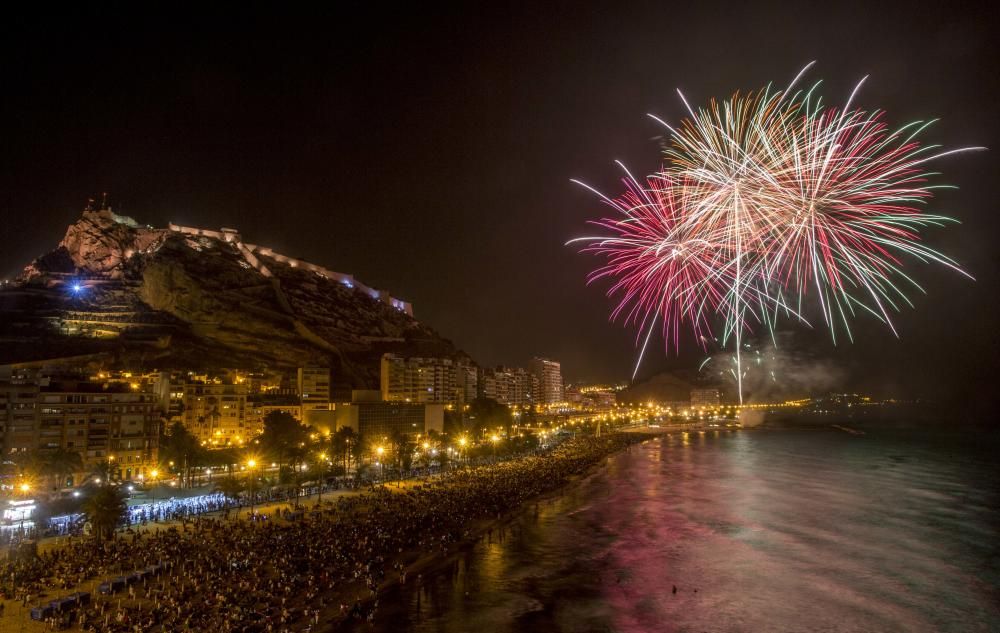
99 243
129 292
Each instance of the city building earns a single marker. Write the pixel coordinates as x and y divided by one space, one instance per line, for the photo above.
168 387
314 387
513 386
600 397
487 387
466 382
18 413
705 397
215 413
259 406
419 380
550 383
101 422
376 420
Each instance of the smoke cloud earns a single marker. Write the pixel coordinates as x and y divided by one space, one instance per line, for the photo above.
774 370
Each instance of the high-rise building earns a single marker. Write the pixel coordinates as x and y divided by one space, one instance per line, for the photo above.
419 380
377 421
169 389
216 413
100 422
259 406
487 386
18 413
550 383
314 387
466 382
316 403
704 397
508 385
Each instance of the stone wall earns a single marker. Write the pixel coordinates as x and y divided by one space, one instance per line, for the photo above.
250 252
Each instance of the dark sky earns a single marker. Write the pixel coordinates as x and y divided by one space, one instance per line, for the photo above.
429 151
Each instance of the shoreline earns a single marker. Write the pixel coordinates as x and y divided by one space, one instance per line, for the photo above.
322 610
435 562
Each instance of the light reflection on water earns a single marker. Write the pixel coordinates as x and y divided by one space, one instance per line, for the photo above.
758 531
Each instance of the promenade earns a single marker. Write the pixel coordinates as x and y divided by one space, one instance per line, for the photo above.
325 566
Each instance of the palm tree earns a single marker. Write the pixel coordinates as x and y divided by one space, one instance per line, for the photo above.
402 450
29 463
102 472
104 509
62 464
343 442
443 458
320 462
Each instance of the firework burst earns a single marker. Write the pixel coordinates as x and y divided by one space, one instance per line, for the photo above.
763 199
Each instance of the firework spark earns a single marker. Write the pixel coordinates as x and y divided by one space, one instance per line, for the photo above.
761 200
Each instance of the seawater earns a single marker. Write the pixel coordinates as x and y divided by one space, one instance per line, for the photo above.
763 530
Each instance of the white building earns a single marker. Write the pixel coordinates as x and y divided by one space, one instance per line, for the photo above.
550 383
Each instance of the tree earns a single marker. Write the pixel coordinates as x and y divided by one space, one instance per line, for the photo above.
104 509
402 451
444 457
182 448
454 422
342 443
283 435
486 413
319 463
28 463
102 472
356 453
62 464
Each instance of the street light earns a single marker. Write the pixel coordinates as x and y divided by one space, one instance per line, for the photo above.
495 438
322 476
251 464
381 467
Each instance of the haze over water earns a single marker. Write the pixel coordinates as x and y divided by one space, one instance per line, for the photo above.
766 530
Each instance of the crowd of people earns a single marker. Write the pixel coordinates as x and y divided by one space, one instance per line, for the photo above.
173 509
272 574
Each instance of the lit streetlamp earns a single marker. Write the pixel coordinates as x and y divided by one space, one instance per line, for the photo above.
251 464
322 476
24 489
495 438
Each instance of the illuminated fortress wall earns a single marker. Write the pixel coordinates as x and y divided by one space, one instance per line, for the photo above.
250 252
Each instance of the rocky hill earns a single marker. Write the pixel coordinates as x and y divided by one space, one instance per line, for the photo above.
130 295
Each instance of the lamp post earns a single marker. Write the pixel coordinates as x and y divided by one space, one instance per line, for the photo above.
322 476
462 441
251 464
494 438
381 466
153 474
25 488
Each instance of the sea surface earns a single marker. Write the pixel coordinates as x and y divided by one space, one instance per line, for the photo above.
760 530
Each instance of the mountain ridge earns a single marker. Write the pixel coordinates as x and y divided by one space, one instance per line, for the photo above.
182 297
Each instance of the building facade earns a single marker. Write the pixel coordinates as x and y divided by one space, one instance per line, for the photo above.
705 397
418 380
100 422
550 382
378 421
513 386
215 413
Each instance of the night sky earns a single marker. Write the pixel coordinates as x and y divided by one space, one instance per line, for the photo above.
429 151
